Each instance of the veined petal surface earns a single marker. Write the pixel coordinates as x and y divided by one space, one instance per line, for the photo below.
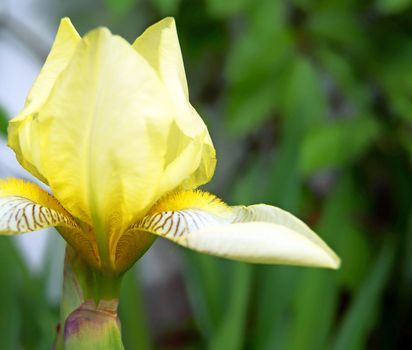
25 207
172 216
256 234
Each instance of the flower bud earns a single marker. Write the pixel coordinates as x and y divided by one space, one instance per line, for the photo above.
93 326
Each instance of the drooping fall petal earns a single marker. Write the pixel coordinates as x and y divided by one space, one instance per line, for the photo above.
25 207
260 242
257 234
277 216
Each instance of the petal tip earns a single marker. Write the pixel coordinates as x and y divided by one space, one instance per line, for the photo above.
99 35
328 258
168 21
337 262
67 25
66 21
331 260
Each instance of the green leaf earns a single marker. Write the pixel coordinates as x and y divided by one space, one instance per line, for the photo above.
275 283
11 276
38 329
135 331
248 109
226 8
27 318
120 7
391 7
407 259
337 143
315 302
392 64
354 250
338 26
255 171
285 185
4 122
357 321
205 282
302 95
231 331
167 7
272 48
254 83
316 296
274 292
343 73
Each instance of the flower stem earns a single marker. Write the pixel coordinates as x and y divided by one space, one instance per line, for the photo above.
88 307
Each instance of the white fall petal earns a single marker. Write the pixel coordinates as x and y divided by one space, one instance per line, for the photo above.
256 234
21 215
259 242
25 207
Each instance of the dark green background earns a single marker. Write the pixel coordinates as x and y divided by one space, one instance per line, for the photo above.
309 104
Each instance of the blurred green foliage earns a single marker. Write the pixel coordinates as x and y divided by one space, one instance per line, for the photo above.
3 122
316 95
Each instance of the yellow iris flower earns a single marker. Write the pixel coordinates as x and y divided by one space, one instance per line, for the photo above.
109 127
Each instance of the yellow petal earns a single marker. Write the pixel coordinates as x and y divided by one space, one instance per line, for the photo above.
257 234
22 127
159 45
129 248
62 50
110 140
108 120
25 207
103 137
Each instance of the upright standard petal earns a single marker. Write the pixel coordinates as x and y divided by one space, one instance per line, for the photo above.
159 45
257 234
22 127
108 119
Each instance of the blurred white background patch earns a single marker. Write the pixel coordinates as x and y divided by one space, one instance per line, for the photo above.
24 40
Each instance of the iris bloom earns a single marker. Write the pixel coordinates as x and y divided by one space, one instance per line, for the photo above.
108 126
